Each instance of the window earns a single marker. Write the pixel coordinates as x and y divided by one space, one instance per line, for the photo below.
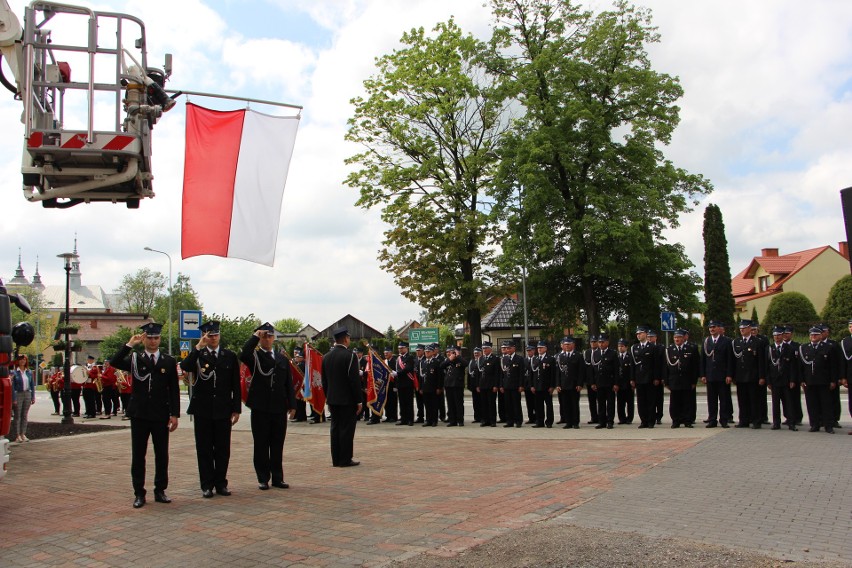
763 283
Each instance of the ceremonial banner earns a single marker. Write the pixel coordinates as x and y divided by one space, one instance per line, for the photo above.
245 381
235 168
298 379
379 374
313 391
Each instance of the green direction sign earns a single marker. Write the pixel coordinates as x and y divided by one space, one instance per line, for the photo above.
423 335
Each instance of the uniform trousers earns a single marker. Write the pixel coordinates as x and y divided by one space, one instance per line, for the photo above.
213 448
563 411
835 401
762 405
344 418
659 400
391 413
268 430
544 408
125 400
794 412
301 410
455 404
75 401
606 405
645 403
140 430
719 402
593 404
110 398
624 404
780 396
406 404
748 403
513 407
442 406
430 402
476 401
489 406
530 403
820 408
679 407
572 406
89 401
54 396
418 400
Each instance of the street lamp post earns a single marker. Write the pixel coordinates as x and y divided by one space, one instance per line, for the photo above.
149 249
66 389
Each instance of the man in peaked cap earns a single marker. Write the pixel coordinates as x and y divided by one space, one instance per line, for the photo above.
405 378
571 373
301 403
643 355
659 387
342 387
588 358
153 410
819 376
419 361
489 383
512 385
271 399
782 373
216 406
624 399
544 381
529 395
473 374
749 372
681 376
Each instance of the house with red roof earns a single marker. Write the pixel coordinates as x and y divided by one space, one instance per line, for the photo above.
811 272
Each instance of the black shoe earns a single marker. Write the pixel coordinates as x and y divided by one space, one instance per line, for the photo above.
829 429
484 424
508 425
530 422
659 421
371 422
576 426
609 426
566 427
689 425
263 486
207 493
537 425
561 422
724 425
620 422
352 463
707 421
461 424
401 424
775 427
518 425
138 502
710 425
419 421
756 426
161 497
452 424
281 484
223 491
600 427
813 429
548 425
794 429
675 425
592 422
740 425
426 424
643 425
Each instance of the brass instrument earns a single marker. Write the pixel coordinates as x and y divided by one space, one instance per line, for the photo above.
121 379
99 384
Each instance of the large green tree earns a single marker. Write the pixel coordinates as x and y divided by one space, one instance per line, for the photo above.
288 325
183 297
140 291
589 187
430 123
718 296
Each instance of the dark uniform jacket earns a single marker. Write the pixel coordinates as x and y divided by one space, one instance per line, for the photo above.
454 372
491 375
433 376
216 388
645 363
782 365
156 395
271 388
340 379
749 360
513 371
589 357
571 369
545 372
606 368
817 364
625 369
473 374
682 366
405 371
717 361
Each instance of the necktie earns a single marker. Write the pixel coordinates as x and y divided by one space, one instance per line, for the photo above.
213 354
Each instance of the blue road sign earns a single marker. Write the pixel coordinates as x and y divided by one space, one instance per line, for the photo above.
668 321
190 324
184 345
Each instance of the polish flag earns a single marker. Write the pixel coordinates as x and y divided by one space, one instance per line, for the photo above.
235 168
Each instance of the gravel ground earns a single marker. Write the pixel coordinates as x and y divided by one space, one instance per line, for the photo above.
556 544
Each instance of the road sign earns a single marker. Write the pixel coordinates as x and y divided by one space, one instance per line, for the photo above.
668 321
423 335
184 353
190 322
184 345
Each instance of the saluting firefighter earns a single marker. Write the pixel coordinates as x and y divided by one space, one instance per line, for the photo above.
216 406
782 374
682 369
153 409
271 399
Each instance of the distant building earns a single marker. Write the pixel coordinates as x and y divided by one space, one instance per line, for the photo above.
811 272
505 321
358 330
302 336
402 332
93 327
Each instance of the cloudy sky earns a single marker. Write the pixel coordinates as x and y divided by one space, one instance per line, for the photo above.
765 116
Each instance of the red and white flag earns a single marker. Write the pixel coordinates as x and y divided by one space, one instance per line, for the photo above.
235 168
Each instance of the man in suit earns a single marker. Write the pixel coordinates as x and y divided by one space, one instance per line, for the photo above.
473 374
605 382
405 375
793 412
624 398
544 379
644 357
489 383
749 374
717 370
343 396
819 377
215 403
271 399
512 385
588 355
571 373
527 382
782 372
154 408
682 366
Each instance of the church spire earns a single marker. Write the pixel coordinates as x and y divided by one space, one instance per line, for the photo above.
19 278
37 283
75 276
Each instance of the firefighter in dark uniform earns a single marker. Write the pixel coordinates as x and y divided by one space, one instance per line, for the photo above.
782 371
301 403
511 386
571 372
794 413
605 383
644 358
544 378
749 374
405 376
587 379
529 395
717 370
431 384
846 366
342 388
391 403
362 374
154 408
420 359
819 379
271 399
473 373
454 367
763 344
215 405
489 383
837 360
624 398
682 367
692 414
659 388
